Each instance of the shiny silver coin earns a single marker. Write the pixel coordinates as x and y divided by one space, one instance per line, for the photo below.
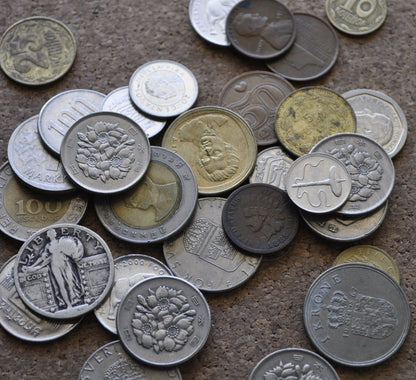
356 314
163 321
64 271
111 361
128 271
18 320
105 152
204 256
157 207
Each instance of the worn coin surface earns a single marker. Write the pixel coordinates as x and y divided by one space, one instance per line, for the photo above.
356 314
379 117
255 95
64 271
217 143
111 361
37 50
128 271
204 256
313 53
155 208
163 321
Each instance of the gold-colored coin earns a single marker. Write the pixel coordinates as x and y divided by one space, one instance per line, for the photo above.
372 255
308 115
37 50
218 145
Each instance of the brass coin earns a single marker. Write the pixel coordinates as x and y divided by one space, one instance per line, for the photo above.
37 50
218 145
308 115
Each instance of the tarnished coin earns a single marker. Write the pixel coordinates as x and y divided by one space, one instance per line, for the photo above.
260 218
356 17
64 271
204 256
157 207
163 88
293 363
313 53
318 183
370 167
255 96
380 118
308 115
23 211
217 143
119 101
260 29
37 50
128 271
163 321
105 152
60 112
18 320
356 314
111 361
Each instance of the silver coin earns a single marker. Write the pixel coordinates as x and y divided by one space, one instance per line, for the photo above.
111 362
105 152
64 109
119 101
64 271
163 321
128 271
204 256
18 320
163 88
293 363
156 208
379 117
370 167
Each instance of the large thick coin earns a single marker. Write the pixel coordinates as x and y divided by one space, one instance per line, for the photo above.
111 362
204 256
356 314
217 143
64 271
255 96
157 207
163 321
105 152
308 115
37 50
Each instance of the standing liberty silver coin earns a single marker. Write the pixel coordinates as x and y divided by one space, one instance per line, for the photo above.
163 321
64 271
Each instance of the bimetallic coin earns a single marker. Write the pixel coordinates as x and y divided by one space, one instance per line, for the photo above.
128 271
380 118
163 321
310 114
356 314
204 256
64 271
217 143
111 361
18 320
105 152
255 96
163 88
37 50
261 29
157 207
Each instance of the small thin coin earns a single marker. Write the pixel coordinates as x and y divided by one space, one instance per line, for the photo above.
37 50
163 88
105 152
163 321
